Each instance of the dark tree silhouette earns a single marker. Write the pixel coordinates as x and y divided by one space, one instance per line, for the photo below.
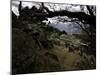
29 44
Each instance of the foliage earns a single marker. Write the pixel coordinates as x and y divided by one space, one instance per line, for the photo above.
33 42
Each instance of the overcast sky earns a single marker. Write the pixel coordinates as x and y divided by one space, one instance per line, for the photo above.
68 27
51 6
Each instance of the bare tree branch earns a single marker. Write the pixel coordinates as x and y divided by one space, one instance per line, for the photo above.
90 10
90 19
84 29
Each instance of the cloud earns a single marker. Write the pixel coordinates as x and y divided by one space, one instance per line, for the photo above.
15 5
51 6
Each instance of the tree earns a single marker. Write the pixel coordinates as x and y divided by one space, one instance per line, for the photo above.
29 43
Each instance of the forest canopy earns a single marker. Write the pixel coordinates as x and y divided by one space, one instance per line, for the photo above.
46 36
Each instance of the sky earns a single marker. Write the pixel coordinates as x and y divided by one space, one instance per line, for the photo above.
51 6
68 27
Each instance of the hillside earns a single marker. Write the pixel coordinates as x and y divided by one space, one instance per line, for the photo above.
39 47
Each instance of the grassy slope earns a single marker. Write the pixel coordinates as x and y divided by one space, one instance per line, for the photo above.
68 60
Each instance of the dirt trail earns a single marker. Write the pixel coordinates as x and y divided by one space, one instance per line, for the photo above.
67 59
